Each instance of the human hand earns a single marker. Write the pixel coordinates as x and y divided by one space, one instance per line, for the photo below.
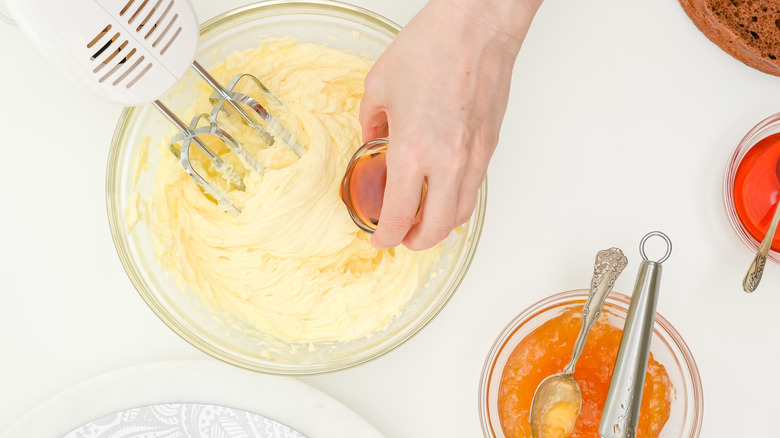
439 92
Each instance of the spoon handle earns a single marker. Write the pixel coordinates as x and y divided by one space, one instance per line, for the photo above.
756 269
609 264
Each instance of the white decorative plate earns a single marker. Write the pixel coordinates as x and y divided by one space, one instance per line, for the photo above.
285 400
184 420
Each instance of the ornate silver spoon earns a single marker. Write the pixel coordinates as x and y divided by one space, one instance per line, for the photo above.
557 400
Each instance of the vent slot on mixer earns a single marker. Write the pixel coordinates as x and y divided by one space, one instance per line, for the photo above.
127 6
148 16
116 59
137 12
178 31
105 46
155 21
116 67
150 24
127 70
110 58
99 36
140 75
159 20
165 32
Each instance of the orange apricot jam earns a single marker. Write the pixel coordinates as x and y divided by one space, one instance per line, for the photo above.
546 350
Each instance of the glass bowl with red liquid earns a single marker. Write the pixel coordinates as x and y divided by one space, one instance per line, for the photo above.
751 188
667 348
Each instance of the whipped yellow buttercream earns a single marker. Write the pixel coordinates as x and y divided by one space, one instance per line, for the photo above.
292 264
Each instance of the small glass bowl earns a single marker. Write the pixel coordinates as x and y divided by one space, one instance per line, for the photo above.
667 347
767 127
130 179
367 219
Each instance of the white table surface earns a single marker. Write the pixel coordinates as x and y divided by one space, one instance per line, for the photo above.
621 119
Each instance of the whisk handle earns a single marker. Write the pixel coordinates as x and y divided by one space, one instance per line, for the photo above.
621 409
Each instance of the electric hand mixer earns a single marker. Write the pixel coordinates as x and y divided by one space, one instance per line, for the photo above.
131 52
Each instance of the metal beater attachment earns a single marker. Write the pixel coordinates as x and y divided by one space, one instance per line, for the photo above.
192 134
197 131
273 128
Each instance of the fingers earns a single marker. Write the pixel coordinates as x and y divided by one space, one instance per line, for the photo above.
403 191
373 115
452 188
438 215
467 201
374 123
451 196
469 189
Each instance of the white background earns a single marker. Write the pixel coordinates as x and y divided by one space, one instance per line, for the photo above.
621 119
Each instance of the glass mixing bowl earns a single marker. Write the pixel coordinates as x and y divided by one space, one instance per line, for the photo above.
667 347
328 23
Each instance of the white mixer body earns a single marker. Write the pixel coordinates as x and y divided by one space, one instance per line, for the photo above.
127 51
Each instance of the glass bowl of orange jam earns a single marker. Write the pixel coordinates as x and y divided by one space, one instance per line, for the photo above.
751 187
538 343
